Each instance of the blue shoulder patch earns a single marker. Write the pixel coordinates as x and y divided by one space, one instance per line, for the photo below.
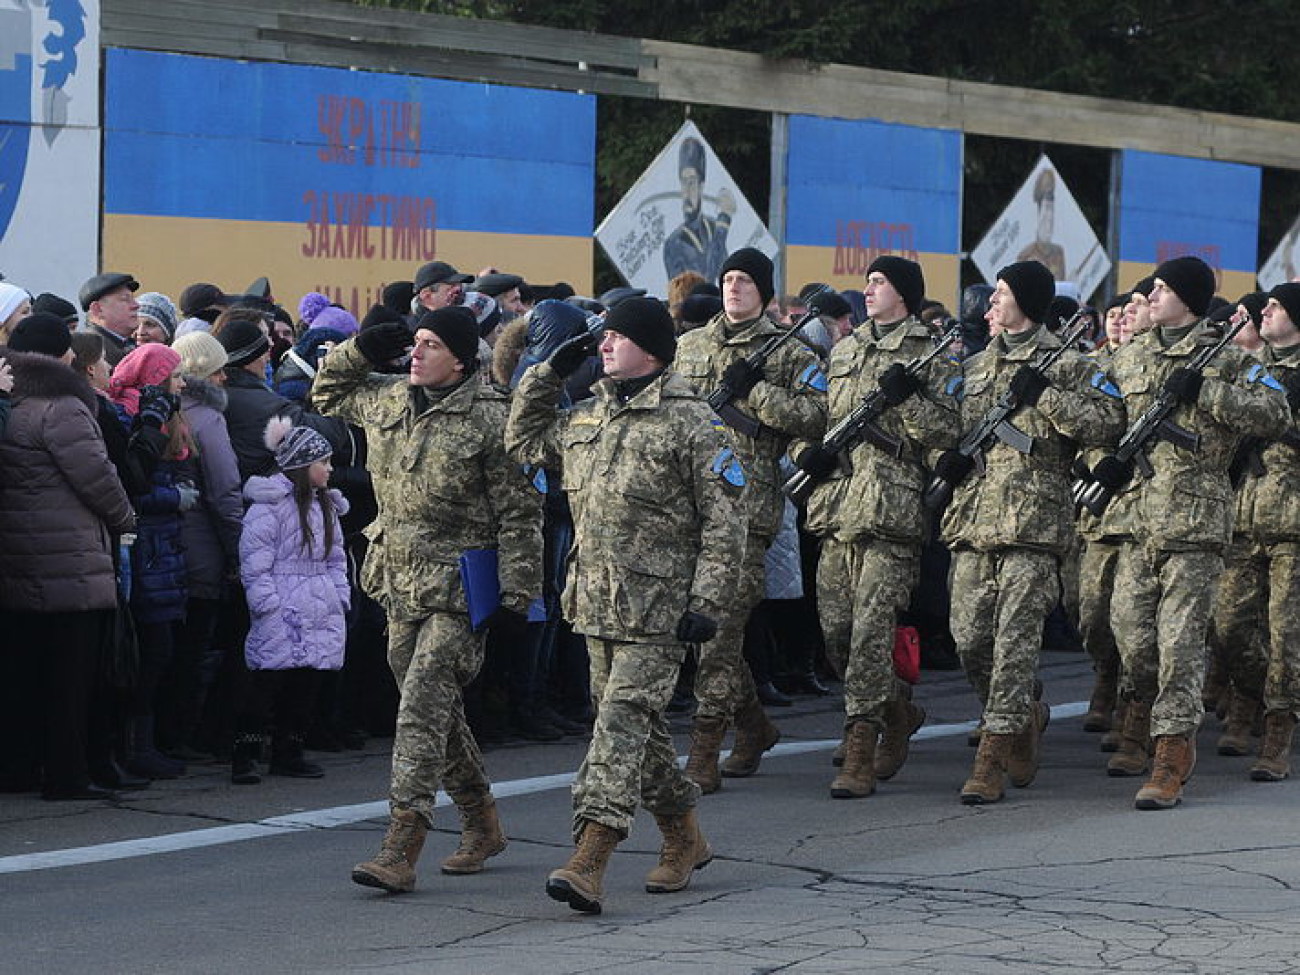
814 378
727 466
956 388
1101 382
538 476
1258 374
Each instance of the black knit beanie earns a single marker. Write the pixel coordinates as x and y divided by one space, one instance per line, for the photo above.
244 341
1033 286
905 276
1254 303
1288 296
757 265
647 323
1191 279
43 333
458 329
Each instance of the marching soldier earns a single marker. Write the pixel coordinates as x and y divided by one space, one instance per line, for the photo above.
870 517
774 403
1165 582
1009 525
445 487
658 509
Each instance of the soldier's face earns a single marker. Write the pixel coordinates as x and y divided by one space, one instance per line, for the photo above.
1166 307
1115 325
1137 316
692 189
1276 325
884 303
432 363
1004 314
624 359
740 298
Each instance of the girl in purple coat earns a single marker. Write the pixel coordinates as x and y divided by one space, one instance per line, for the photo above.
294 570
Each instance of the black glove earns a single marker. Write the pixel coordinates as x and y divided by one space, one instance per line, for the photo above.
740 377
1184 385
1028 384
696 627
953 466
1112 473
573 353
156 406
897 384
383 343
1079 469
1291 383
817 462
507 623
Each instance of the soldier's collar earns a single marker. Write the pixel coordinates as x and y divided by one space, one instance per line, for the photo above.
1026 347
457 399
729 334
909 327
645 399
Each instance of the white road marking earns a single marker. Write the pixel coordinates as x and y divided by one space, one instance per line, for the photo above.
360 812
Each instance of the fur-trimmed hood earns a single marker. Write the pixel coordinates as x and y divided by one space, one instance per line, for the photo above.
38 376
509 346
203 392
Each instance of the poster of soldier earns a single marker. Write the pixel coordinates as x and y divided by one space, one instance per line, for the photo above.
1044 223
1284 263
685 213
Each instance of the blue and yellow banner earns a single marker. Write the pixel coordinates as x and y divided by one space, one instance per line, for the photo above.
1170 206
338 181
858 189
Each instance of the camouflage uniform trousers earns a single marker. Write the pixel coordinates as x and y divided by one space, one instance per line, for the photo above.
1161 614
723 681
1239 624
1096 585
1262 592
999 602
631 755
433 659
862 586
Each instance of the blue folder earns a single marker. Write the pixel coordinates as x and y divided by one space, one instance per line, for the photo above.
482 585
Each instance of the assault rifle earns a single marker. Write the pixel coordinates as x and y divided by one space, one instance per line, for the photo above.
860 425
722 399
1155 423
996 423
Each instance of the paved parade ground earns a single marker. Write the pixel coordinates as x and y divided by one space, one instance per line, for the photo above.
1064 876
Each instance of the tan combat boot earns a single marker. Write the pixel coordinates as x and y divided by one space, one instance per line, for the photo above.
1238 724
685 850
755 734
393 868
480 837
1022 763
1135 748
1101 705
837 756
702 760
1112 739
987 778
857 779
902 719
1174 760
1274 762
578 882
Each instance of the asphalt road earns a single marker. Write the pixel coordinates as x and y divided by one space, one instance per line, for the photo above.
201 876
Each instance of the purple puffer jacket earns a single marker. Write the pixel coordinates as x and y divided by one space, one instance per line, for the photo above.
296 601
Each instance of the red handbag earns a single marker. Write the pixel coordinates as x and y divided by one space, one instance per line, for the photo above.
907 654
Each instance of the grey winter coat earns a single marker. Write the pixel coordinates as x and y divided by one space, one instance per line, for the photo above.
211 528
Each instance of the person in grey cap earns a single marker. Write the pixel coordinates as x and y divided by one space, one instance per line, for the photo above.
108 300
446 490
439 285
700 243
658 507
505 289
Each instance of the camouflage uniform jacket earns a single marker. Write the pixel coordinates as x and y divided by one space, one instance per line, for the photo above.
444 486
1268 506
1115 524
881 497
1023 500
1188 504
789 402
657 496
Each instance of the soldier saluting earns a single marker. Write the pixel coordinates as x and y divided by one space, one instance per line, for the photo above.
657 495
1009 525
1183 515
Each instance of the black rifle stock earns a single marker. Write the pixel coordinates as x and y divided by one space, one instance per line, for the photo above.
860 424
1154 423
996 424
722 399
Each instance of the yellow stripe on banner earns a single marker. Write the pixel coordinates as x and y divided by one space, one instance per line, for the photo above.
349 264
1232 284
830 265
